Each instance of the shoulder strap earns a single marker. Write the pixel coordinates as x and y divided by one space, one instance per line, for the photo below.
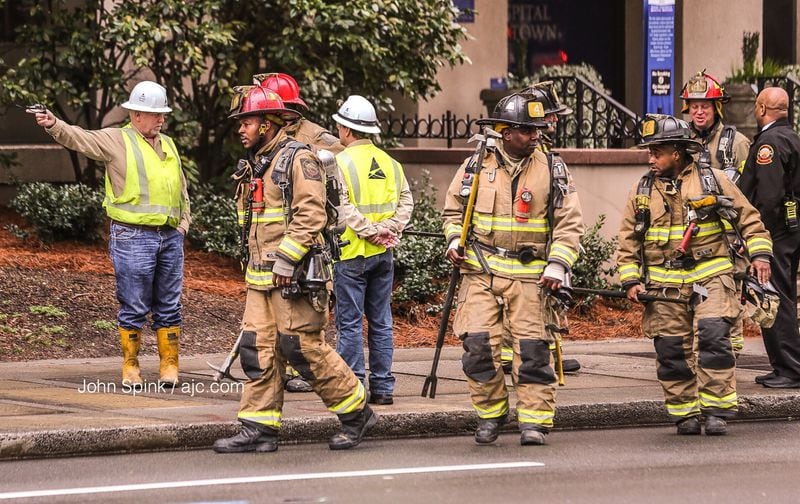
725 147
708 181
559 185
282 173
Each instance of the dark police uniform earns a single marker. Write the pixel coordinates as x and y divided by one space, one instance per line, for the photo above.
771 175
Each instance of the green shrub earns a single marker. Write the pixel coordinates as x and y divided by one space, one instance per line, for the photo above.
214 224
421 268
593 268
61 212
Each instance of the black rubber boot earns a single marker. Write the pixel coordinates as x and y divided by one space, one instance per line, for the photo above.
571 365
689 426
353 429
249 439
716 426
530 437
488 429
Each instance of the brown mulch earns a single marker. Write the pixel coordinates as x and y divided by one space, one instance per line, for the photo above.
72 284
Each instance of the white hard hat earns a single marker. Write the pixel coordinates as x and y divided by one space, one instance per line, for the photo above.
147 96
358 113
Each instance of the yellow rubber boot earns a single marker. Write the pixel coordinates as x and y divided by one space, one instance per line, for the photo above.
130 340
168 346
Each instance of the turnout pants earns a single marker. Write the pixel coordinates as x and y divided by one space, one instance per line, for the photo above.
695 361
277 331
484 302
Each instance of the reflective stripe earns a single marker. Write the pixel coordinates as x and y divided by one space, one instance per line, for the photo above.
355 186
629 272
537 417
171 144
506 353
144 187
489 223
271 418
377 207
662 234
258 277
682 276
498 410
711 401
684 409
452 231
292 248
267 215
352 403
507 266
563 252
759 245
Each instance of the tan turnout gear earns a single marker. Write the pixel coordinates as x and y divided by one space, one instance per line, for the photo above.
695 356
168 346
314 135
130 341
515 242
731 160
280 330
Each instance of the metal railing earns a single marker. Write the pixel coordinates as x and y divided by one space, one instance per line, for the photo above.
792 86
447 127
598 121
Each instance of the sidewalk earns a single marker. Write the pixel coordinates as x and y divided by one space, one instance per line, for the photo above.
68 407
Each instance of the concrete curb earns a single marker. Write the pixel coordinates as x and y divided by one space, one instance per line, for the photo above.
70 442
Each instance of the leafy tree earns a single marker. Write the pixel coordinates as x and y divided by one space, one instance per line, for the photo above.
89 55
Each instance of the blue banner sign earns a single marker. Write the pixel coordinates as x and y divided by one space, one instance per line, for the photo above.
659 74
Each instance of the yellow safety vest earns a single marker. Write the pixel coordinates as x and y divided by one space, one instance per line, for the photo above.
152 194
374 181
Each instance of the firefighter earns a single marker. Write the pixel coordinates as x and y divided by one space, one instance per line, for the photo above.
672 242
523 242
301 129
703 99
312 134
281 194
545 93
553 109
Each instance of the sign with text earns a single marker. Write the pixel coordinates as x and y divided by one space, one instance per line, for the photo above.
659 45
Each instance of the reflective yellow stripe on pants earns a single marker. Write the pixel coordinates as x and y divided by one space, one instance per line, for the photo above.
500 409
270 418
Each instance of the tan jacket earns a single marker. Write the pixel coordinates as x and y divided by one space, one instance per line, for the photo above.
741 146
313 134
498 221
668 222
107 146
274 244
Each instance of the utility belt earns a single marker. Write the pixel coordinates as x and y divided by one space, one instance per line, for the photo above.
682 263
524 255
142 227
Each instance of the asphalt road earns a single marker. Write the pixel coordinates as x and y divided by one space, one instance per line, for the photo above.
756 462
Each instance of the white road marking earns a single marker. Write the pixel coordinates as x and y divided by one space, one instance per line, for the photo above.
263 479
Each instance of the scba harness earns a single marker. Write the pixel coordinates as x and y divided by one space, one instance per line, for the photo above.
312 274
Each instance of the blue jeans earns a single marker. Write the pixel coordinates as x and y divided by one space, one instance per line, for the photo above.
148 266
364 287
